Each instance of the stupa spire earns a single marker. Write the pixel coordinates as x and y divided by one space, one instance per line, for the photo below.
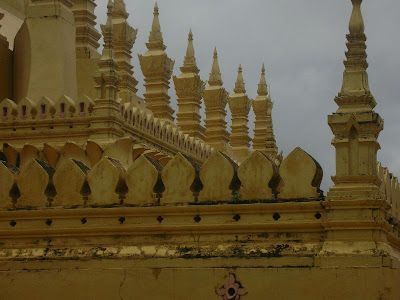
356 125
106 111
215 100
355 77
155 39
124 39
189 89
189 64
215 75
107 29
264 139
157 69
240 104
239 85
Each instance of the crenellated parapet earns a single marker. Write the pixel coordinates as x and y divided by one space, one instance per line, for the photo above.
215 100
157 69
112 175
29 121
124 39
189 89
240 104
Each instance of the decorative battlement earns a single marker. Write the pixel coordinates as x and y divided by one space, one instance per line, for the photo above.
126 173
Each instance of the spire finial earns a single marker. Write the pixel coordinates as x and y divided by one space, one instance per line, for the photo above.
120 9
107 29
356 25
155 39
239 85
355 77
262 86
215 75
189 64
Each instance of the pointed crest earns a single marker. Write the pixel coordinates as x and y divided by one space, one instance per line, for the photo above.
107 29
355 77
120 9
189 64
156 41
215 75
239 85
262 86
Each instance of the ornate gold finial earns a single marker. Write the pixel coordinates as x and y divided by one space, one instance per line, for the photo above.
355 93
356 25
262 86
156 41
239 85
189 64
120 9
215 75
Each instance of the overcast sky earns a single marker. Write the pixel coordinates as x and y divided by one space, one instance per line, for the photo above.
302 43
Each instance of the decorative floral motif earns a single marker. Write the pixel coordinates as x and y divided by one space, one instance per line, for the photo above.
232 290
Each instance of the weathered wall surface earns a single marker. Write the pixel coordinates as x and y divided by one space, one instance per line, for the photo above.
123 280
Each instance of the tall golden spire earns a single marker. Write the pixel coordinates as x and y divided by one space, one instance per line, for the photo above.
215 100
155 39
240 104
189 64
264 138
124 39
356 125
262 86
215 75
189 89
107 29
157 69
106 111
355 77
239 85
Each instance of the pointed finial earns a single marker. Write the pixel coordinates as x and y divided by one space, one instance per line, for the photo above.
262 86
355 77
156 41
120 9
189 64
107 31
239 85
215 75
190 36
356 25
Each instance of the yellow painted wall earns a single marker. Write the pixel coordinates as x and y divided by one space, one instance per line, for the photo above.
122 280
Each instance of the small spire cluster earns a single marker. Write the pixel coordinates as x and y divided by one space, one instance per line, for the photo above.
157 69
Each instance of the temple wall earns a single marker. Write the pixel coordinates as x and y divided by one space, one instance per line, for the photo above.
85 70
124 280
